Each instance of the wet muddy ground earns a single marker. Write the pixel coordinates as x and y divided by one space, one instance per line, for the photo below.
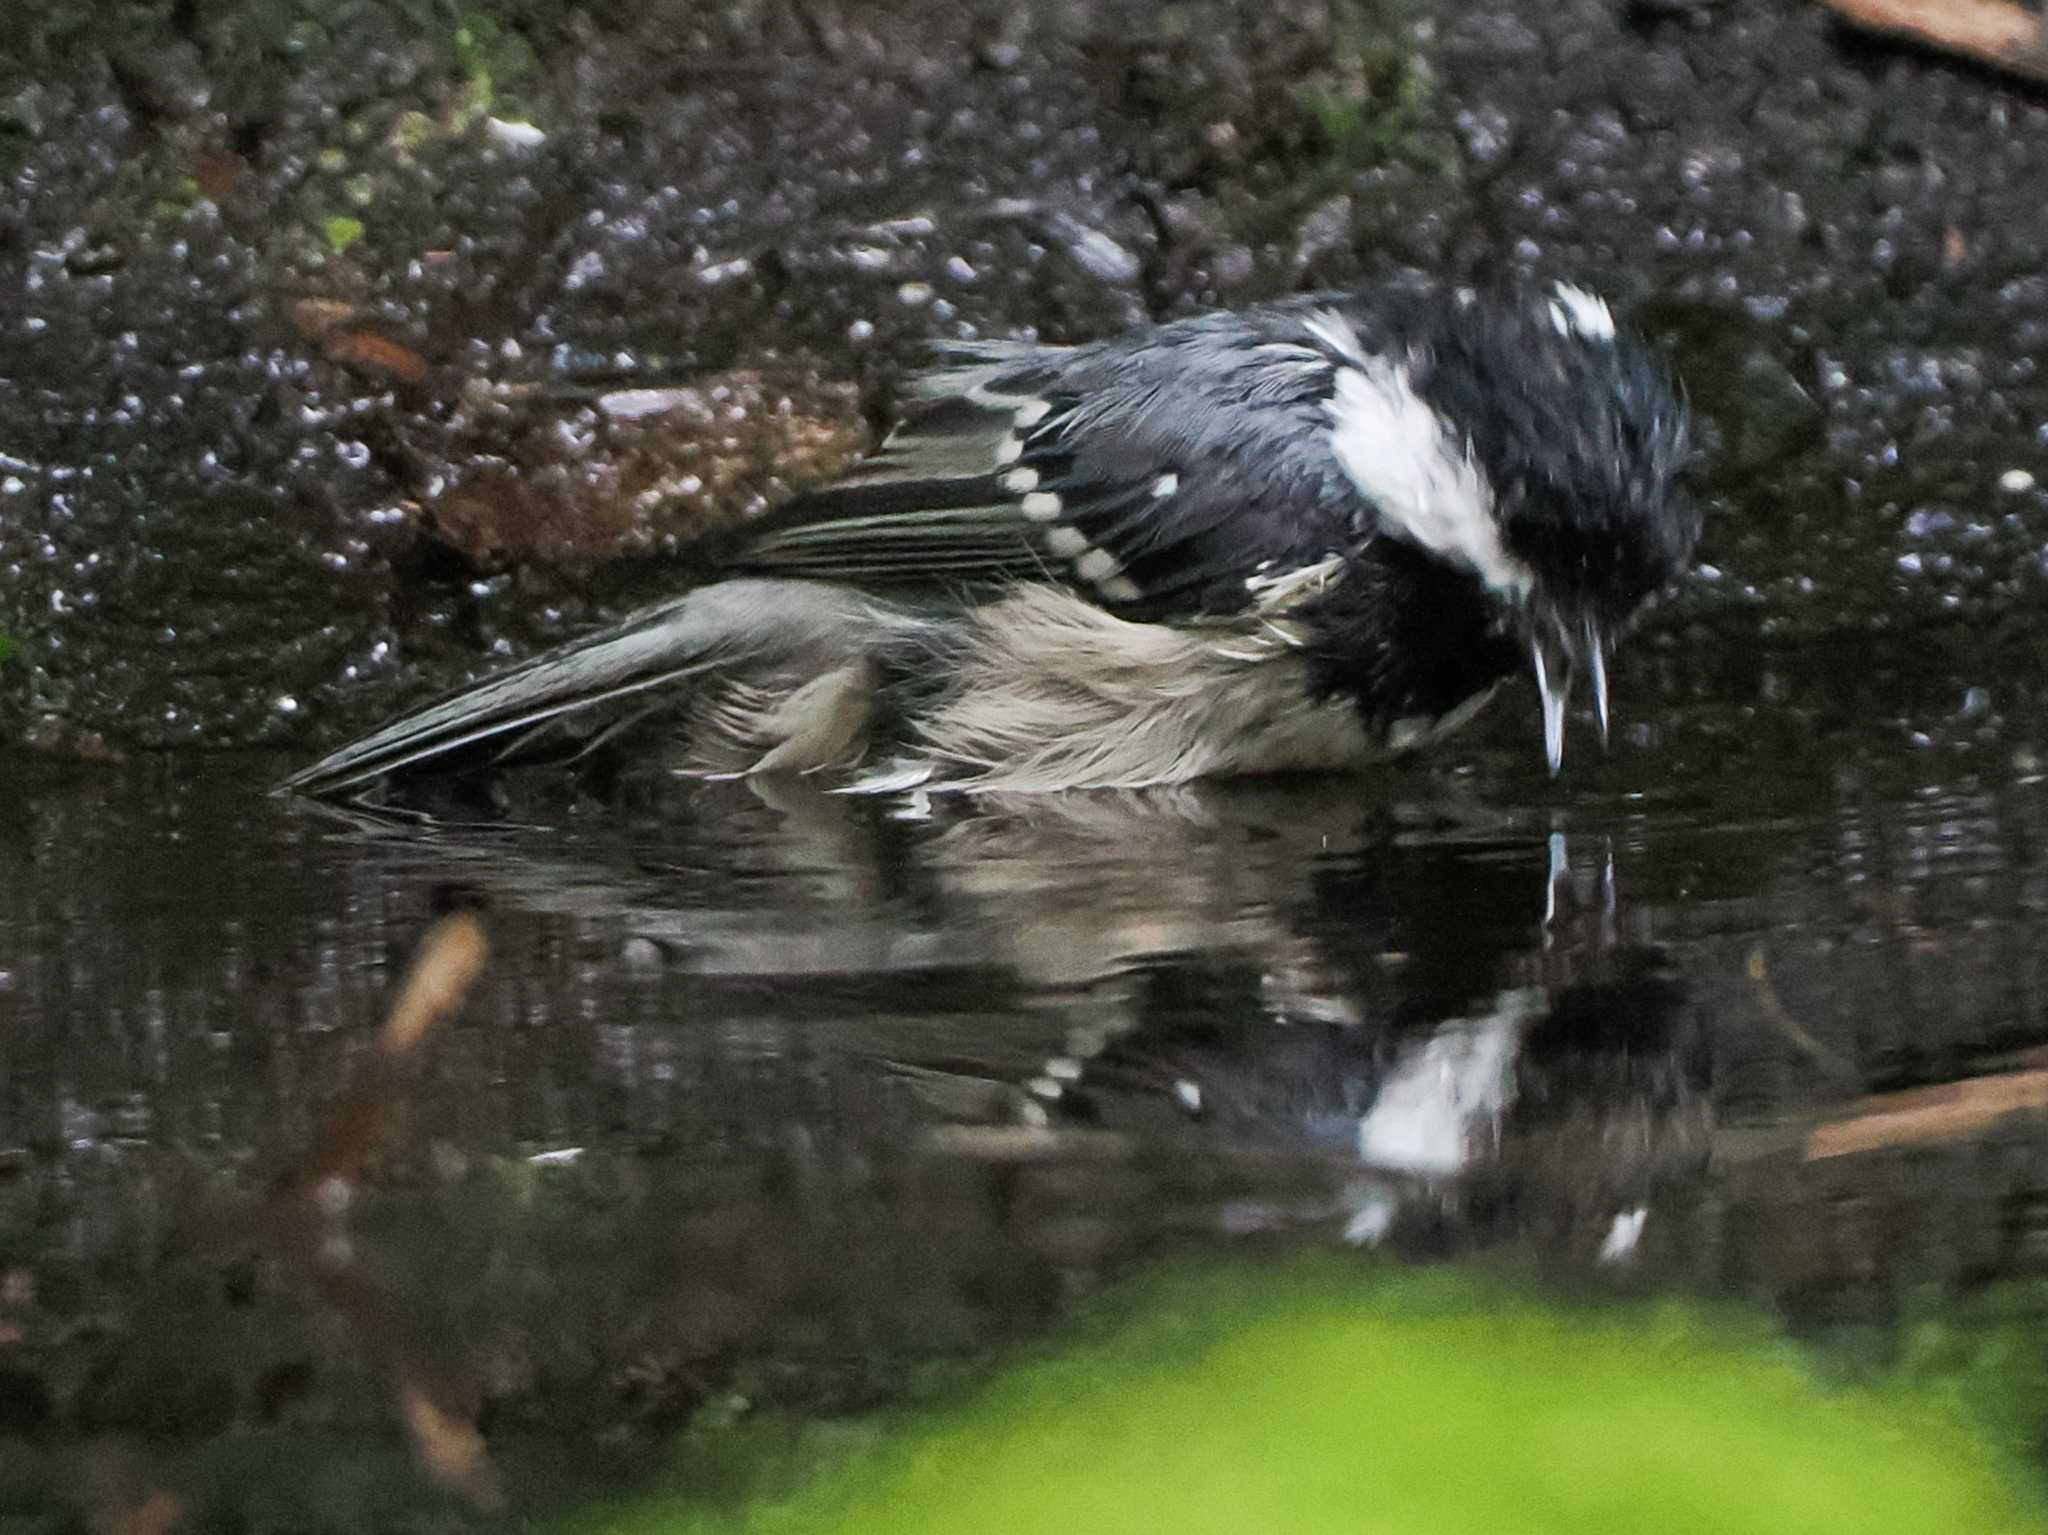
325 337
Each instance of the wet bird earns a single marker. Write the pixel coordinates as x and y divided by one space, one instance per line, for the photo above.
1304 536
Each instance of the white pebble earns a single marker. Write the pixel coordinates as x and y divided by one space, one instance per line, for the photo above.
510 134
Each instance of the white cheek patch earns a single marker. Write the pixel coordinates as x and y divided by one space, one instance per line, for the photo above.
1400 454
1575 312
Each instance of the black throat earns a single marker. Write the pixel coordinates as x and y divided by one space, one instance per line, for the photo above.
1405 636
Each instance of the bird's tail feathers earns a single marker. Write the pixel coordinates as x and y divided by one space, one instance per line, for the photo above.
653 660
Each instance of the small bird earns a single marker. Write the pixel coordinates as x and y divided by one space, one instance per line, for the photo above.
1303 536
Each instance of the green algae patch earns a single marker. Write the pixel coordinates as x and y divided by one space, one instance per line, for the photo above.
340 232
1366 106
1334 1398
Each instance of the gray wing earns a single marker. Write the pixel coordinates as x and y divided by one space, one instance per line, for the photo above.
1157 474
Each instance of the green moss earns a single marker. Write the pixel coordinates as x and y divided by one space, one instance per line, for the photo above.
1364 106
176 194
10 647
1330 1399
497 67
340 231
410 130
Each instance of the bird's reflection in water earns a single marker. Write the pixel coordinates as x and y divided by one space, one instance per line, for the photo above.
1453 1008
1457 1007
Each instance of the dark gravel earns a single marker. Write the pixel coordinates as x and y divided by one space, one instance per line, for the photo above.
210 523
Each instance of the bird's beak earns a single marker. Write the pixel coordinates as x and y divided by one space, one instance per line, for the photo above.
1557 652
1554 682
1596 663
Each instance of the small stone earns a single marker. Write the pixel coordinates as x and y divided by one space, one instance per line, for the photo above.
507 134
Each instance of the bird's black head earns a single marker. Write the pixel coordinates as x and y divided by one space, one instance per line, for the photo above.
1579 437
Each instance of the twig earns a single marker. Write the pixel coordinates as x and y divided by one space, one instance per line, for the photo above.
309 1228
451 957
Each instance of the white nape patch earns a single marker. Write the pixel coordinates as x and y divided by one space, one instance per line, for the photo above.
1401 455
1031 413
1067 543
1275 591
1041 506
1575 312
1097 565
1009 450
1446 1090
1165 486
1021 480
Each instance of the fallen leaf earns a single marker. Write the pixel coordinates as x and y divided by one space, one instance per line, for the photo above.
318 317
1990 31
374 353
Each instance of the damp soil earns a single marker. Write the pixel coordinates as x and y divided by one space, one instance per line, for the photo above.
347 351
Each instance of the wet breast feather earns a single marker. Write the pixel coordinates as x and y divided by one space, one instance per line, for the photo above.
1054 691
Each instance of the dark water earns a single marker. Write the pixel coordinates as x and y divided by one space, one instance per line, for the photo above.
773 1092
